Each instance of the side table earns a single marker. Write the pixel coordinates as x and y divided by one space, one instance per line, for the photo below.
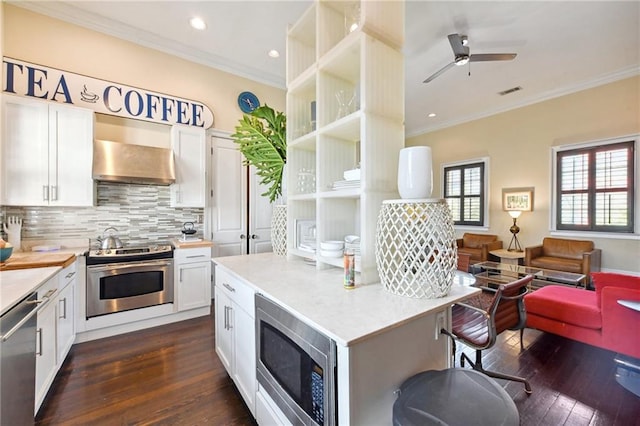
508 257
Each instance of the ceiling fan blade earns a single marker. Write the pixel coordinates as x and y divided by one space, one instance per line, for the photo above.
437 73
485 57
456 44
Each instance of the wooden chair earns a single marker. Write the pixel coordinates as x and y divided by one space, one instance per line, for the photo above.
478 321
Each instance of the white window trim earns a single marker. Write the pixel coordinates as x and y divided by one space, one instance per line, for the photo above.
554 180
485 226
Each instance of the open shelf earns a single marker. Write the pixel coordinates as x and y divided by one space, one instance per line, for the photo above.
356 84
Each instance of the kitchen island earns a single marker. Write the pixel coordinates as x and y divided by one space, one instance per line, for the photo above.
381 338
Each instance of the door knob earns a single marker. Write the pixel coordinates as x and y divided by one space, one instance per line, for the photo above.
254 236
242 236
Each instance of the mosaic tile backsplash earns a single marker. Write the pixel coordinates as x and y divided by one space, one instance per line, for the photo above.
140 213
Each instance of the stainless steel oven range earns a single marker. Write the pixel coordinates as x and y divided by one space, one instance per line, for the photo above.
128 278
296 365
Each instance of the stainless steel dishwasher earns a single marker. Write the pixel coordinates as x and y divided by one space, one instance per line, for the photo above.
18 361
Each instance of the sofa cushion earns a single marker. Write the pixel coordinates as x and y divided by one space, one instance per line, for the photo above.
570 249
565 304
606 279
557 264
477 240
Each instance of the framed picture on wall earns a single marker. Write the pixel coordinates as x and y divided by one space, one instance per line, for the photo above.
517 199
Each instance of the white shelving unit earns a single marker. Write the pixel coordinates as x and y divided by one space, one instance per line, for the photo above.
329 61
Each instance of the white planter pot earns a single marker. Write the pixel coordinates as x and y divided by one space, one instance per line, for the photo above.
416 253
279 230
415 172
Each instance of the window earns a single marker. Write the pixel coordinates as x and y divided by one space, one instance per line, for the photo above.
465 192
594 188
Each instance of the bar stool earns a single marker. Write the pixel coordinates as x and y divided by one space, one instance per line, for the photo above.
455 396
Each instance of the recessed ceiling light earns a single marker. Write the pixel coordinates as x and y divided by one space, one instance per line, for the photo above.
433 114
273 53
197 23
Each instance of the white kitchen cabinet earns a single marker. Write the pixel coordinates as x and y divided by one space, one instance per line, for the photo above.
235 333
47 154
55 332
189 149
66 330
240 216
192 277
46 351
353 81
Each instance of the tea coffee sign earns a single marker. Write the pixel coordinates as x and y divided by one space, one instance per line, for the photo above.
36 81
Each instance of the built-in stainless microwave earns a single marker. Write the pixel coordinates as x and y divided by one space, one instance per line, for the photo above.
296 365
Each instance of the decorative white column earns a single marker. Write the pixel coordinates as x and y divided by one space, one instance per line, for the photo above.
415 172
416 250
279 230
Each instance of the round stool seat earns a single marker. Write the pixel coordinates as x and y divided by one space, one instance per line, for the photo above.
455 396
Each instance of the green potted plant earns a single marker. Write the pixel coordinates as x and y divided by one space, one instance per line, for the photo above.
262 139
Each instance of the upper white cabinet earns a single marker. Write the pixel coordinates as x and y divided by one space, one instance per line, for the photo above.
189 149
47 154
345 108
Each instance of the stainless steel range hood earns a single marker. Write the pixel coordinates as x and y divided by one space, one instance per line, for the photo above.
127 163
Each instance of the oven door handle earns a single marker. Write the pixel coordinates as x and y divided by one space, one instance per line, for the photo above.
128 265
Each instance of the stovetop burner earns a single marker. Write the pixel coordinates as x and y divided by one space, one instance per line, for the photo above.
129 254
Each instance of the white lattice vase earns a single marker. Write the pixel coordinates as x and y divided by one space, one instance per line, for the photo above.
416 248
279 230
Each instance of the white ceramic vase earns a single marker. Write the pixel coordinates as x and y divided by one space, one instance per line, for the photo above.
279 230
415 173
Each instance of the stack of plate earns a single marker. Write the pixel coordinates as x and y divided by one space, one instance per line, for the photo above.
331 248
344 184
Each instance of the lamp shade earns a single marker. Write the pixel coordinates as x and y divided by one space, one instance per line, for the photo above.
515 213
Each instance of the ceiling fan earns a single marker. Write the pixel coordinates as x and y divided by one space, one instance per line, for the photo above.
461 55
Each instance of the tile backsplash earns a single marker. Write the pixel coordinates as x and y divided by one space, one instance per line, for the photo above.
140 213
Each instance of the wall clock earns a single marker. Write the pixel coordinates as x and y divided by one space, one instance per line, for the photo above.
247 102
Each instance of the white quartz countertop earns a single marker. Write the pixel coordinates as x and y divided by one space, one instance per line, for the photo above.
15 285
319 298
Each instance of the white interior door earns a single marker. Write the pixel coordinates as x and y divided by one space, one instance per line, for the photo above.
260 212
229 208
240 217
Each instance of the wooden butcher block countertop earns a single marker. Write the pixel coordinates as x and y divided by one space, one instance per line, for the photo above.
25 260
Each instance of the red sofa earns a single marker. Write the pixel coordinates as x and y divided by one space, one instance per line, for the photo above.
592 317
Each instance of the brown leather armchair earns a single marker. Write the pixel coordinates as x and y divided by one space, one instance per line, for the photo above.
577 256
478 246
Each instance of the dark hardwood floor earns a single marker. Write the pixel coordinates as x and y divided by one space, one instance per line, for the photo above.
170 375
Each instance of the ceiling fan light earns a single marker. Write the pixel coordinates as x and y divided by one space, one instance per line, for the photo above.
461 60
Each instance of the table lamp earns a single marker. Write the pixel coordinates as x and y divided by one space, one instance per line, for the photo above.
514 245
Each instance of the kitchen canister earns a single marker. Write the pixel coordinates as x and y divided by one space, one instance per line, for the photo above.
415 173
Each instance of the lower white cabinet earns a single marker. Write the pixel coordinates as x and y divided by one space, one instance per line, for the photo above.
192 281
46 351
55 332
66 332
235 333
